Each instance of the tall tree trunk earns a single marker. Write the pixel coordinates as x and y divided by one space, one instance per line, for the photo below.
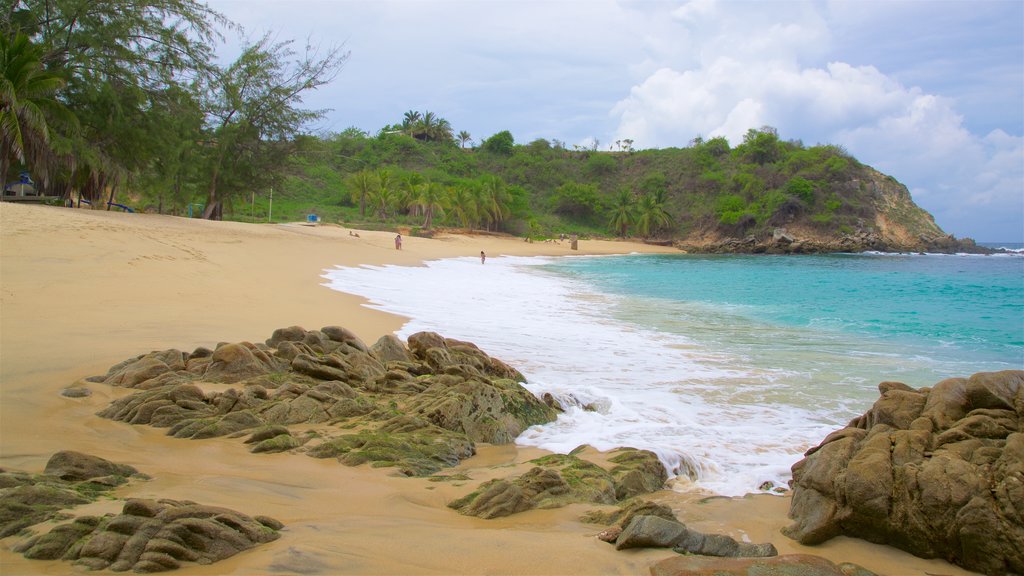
212 209
110 201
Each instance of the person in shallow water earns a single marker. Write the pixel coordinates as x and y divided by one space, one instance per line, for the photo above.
398 242
483 257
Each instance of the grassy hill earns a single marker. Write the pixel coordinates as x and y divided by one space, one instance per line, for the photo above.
764 195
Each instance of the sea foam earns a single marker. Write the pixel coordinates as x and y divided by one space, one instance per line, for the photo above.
717 422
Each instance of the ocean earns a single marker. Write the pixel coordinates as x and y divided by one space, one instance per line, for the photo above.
727 367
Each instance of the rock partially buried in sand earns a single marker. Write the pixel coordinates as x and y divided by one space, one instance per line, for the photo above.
656 532
788 565
937 472
70 479
560 479
417 408
153 536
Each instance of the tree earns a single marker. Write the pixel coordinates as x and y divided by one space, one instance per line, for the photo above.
464 137
501 143
761 146
431 199
652 216
363 184
27 106
255 111
493 200
120 61
622 211
463 204
383 192
575 199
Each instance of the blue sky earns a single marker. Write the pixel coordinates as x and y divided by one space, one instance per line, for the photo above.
929 92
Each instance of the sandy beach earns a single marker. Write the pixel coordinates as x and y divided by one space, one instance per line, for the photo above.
81 290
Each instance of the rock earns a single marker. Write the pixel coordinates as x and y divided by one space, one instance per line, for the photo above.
936 472
637 472
556 480
75 467
390 349
654 532
231 363
76 392
71 479
788 565
495 411
651 532
154 536
136 372
624 514
454 392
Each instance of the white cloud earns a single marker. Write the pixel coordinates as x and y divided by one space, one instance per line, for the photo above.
751 73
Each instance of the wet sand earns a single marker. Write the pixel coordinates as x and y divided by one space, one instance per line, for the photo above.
81 290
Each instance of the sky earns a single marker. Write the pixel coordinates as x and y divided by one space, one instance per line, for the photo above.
929 92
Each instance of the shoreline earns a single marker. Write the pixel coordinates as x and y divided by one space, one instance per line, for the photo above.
81 290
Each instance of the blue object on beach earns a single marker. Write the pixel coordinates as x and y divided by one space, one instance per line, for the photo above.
121 206
312 218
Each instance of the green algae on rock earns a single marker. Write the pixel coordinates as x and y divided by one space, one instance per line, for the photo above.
418 408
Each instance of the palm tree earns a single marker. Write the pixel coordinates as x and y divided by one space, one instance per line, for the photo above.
408 190
463 205
383 194
431 199
651 214
409 122
442 131
26 103
494 200
622 212
464 137
363 183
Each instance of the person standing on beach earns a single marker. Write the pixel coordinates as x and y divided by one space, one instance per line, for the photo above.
398 242
483 257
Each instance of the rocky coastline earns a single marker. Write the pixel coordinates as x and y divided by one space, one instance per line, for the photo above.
938 472
804 241
420 407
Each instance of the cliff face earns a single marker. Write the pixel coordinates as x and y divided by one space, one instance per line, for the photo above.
871 211
898 220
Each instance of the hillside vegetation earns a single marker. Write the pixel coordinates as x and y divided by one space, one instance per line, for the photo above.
765 194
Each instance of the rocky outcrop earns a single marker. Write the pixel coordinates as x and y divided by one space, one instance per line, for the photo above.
152 536
70 479
937 471
417 408
802 241
560 479
148 536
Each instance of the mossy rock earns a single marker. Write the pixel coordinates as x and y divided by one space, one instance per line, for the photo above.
420 452
625 512
637 472
560 479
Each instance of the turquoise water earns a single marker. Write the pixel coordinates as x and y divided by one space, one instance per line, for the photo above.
727 367
930 315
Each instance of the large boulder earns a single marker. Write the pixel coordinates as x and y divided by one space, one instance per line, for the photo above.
938 472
